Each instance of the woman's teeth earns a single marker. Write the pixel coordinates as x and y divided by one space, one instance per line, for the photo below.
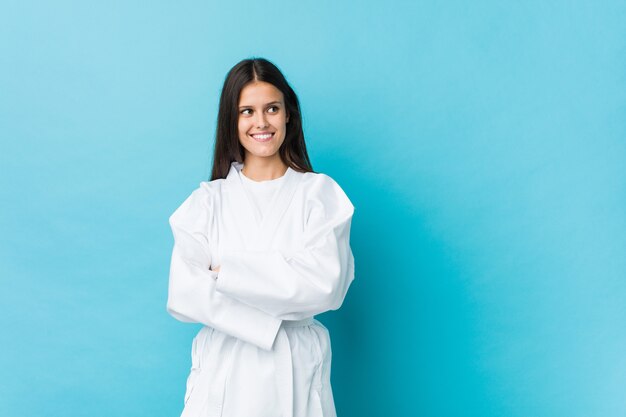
263 138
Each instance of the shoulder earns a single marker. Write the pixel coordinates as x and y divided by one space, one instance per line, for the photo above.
322 188
199 202
210 189
206 191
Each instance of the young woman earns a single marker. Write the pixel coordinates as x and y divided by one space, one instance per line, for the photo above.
259 250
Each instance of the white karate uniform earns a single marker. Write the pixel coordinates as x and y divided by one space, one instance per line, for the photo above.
283 247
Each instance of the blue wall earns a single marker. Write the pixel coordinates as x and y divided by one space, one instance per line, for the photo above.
482 143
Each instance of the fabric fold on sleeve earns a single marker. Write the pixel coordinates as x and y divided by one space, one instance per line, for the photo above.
192 295
303 283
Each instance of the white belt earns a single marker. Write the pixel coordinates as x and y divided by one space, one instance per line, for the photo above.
284 366
207 400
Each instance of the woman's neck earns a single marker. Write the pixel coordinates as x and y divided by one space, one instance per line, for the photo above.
263 169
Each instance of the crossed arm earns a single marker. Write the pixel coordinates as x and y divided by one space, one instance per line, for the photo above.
251 292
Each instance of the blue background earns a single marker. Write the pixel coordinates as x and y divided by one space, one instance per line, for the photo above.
482 143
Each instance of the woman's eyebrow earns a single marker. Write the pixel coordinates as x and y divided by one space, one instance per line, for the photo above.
267 104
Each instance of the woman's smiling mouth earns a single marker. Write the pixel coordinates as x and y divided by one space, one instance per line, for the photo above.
262 137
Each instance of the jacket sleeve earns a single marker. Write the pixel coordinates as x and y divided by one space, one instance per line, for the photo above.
191 292
302 283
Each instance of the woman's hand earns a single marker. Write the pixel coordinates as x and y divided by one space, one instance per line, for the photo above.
216 269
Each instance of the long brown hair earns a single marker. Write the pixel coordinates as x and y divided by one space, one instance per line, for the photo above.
227 146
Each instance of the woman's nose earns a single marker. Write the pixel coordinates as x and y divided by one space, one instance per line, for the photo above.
261 121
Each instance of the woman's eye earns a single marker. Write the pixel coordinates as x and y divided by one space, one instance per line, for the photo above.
270 108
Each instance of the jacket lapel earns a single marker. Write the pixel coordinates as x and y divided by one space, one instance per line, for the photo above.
241 209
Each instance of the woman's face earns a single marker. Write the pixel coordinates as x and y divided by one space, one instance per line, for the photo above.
262 119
